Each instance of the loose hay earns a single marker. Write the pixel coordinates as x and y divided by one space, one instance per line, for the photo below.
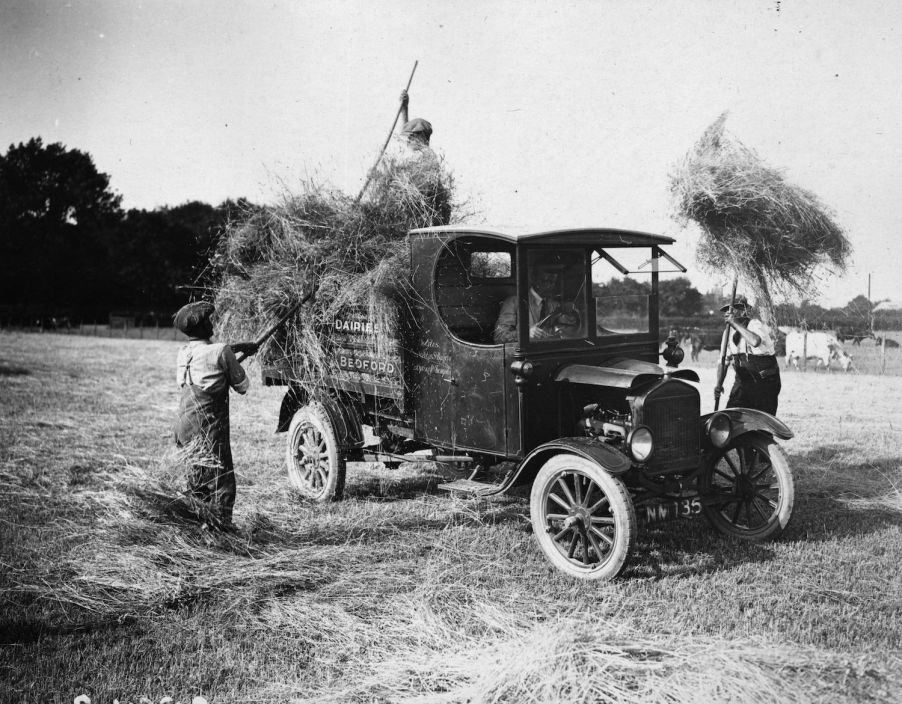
772 234
425 654
321 241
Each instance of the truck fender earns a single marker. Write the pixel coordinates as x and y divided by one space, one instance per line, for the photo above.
343 415
609 459
293 399
746 420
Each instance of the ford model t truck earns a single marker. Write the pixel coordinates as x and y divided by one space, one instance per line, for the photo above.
542 351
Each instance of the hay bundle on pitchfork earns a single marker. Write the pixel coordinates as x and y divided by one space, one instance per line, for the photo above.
770 234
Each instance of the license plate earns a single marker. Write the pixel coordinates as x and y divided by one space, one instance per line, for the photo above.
668 510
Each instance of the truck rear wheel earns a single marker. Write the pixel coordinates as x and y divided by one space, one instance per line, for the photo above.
583 518
316 467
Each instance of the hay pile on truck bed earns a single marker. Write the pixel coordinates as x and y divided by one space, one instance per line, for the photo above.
351 255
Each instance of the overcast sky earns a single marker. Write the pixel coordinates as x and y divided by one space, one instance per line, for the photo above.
550 114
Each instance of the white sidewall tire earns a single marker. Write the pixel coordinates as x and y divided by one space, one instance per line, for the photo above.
621 509
316 467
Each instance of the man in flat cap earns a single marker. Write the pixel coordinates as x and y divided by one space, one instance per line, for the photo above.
757 372
412 160
206 370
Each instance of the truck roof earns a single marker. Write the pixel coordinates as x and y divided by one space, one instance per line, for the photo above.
600 236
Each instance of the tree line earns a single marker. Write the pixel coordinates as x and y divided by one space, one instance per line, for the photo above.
67 247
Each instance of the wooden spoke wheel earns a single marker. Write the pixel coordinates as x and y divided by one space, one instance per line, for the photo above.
316 467
582 517
747 488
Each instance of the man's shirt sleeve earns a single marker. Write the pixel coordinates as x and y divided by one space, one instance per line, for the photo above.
766 346
235 374
506 326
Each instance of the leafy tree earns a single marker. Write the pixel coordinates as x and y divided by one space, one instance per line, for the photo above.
158 255
54 206
679 298
623 295
859 309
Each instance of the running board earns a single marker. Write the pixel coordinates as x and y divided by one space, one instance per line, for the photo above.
471 486
416 457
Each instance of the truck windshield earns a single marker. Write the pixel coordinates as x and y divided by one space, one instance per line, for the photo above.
621 286
557 295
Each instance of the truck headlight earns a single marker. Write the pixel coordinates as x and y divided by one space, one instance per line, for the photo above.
640 443
719 429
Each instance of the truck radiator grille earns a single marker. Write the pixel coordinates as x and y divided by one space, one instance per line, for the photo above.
671 410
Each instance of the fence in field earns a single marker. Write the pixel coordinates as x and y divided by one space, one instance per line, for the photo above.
125 329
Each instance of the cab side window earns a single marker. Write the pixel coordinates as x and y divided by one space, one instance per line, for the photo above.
471 280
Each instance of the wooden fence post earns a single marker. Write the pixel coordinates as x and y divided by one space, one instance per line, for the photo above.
883 354
804 350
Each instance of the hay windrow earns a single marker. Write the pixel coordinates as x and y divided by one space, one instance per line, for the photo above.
772 234
320 241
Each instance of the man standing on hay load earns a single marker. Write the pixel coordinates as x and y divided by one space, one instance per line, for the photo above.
757 372
414 159
205 372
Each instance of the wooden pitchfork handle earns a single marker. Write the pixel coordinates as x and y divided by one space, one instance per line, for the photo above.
724 346
369 176
272 329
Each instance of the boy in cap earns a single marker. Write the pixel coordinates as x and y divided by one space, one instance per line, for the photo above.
757 373
206 370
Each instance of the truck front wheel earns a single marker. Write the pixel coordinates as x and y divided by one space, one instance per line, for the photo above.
316 467
747 488
582 517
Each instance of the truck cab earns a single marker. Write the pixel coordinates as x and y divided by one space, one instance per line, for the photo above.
486 382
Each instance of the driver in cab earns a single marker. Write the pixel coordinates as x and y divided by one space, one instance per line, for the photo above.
548 317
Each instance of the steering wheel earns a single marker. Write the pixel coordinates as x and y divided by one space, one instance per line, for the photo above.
563 321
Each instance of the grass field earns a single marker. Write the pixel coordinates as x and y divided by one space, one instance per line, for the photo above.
402 593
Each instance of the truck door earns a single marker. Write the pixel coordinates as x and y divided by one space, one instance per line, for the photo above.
461 401
479 421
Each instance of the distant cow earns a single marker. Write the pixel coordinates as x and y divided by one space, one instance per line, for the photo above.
817 345
889 343
856 336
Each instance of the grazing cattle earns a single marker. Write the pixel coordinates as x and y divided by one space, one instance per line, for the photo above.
856 336
817 345
889 343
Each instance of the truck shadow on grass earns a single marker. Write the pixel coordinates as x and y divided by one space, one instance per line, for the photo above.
406 482
413 479
836 497
688 547
9 369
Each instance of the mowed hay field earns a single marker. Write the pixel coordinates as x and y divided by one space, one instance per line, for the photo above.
402 593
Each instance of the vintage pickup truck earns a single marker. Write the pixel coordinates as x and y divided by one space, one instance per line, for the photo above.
575 401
